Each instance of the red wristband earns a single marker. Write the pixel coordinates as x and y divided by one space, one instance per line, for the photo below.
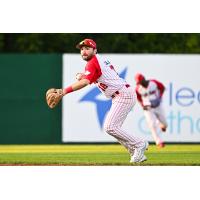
68 89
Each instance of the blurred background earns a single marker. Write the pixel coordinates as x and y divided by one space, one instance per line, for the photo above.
32 63
107 42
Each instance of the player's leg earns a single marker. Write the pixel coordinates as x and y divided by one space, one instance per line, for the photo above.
161 118
114 120
121 106
151 122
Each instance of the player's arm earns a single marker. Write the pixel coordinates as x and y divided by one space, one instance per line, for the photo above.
76 86
54 96
85 79
139 97
160 86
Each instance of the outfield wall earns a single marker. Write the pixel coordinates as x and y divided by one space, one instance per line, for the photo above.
25 117
84 111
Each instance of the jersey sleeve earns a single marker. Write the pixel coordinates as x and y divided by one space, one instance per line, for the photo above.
139 97
92 72
160 86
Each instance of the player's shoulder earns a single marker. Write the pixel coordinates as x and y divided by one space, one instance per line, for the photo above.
154 81
103 59
157 84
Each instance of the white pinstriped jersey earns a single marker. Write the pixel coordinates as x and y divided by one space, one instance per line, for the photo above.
101 72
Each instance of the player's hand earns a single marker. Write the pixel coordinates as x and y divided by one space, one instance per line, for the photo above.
79 76
146 107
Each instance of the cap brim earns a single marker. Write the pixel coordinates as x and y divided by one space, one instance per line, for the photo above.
78 46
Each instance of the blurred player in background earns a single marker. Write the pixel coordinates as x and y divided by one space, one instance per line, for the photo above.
149 94
101 72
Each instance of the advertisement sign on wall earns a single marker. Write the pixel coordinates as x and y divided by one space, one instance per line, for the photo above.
84 111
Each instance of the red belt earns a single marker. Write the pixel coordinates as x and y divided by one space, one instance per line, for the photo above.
117 92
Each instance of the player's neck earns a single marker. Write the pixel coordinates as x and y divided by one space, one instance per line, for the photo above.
91 57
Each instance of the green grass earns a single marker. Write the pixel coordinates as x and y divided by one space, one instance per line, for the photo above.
115 154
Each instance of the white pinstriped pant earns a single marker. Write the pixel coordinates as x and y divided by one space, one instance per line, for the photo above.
154 117
121 106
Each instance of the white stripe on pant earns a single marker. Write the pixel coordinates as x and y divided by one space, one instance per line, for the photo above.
121 106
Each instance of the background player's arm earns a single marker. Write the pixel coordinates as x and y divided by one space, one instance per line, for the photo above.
139 98
160 86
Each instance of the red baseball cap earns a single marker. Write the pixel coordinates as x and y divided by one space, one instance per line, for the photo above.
88 43
139 78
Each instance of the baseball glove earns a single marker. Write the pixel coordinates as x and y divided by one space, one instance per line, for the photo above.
53 97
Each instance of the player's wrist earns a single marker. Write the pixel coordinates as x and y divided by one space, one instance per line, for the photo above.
68 90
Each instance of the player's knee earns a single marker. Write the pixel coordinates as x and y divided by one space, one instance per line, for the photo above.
110 129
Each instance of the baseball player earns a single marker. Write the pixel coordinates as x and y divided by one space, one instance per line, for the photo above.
149 94
101 72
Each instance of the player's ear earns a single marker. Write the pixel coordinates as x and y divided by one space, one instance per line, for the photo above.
95 51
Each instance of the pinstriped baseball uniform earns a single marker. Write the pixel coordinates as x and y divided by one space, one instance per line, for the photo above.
101 72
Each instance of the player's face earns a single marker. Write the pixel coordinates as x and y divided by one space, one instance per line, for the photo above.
87 52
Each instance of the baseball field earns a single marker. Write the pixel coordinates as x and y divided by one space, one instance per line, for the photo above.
95 155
